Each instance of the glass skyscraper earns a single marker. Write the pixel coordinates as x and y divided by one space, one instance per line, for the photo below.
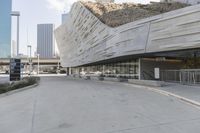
5 28
45 40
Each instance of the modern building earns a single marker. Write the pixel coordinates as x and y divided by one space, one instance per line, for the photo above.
45 40
5 28
65 17
151 48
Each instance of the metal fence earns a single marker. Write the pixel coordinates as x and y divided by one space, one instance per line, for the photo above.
184 76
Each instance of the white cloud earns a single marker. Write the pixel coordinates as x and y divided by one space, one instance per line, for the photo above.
60 5
65 5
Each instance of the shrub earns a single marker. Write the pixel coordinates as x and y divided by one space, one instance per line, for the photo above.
18 84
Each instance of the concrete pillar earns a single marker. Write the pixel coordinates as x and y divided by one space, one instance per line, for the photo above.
70 71
139 65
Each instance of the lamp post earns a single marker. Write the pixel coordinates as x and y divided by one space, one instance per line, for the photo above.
30 61
17 14
58 67
38 57
30 52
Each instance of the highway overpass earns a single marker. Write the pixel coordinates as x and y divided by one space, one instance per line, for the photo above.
50 62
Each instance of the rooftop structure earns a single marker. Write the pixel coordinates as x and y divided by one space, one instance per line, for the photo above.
114 15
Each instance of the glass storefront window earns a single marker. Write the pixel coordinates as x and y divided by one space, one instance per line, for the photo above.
126 69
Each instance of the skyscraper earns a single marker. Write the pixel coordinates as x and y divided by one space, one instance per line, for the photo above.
65 17
5 28
45 40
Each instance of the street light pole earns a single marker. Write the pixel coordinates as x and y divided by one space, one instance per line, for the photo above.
30 61
17 14
17 35
38 55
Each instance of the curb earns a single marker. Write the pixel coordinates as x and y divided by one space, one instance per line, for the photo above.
166 93
193 102
18 90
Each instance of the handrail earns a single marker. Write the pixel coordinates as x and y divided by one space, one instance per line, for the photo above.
148 74
183 76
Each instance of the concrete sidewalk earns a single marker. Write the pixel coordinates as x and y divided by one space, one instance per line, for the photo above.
60 105
189 92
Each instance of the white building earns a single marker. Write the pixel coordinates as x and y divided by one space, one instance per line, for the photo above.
45 40
136 50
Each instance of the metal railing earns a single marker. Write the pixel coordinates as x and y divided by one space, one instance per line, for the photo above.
148 75
183 76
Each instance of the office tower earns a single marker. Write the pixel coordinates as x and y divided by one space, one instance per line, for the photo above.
45 40
65 17
5 28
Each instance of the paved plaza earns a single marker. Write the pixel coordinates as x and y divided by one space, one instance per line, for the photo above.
61 105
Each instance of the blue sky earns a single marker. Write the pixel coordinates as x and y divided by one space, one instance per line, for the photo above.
35 12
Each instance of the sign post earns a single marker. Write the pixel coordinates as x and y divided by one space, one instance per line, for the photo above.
157 73
15 69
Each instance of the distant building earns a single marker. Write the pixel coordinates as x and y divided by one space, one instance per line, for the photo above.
5 28
45 40
21 55
65 17
192 2
14 48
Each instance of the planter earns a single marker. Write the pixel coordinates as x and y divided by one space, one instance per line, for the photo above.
111 79
152 83
122 79
101 78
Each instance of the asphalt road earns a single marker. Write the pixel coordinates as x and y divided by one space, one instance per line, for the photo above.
60 105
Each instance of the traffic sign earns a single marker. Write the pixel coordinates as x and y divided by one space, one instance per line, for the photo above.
15 69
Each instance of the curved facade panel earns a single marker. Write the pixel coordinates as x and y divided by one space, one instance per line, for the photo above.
84 39
176 30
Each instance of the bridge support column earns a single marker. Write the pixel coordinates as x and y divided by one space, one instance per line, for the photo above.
68 71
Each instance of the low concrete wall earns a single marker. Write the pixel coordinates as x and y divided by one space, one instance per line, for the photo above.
97 78
110 79
147 82
151 83
73 77
115 79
